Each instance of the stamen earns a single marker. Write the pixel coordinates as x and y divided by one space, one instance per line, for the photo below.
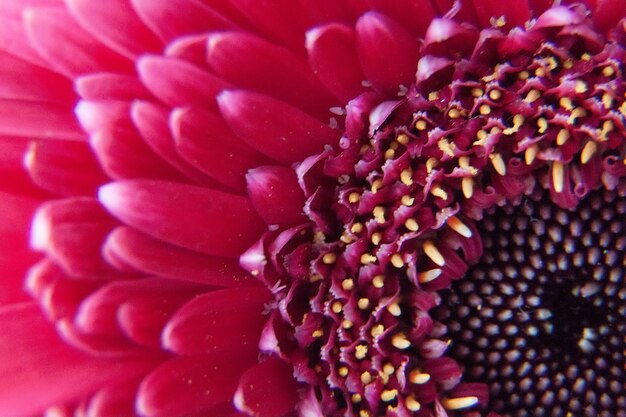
411 224
347 284
428 276
400 341
533 95
402 139
498 163
397 261
562 137
530 154
366 378
363 303
406 177
418 378
588 151
343 371
412 404
459 227
433 253
356 228
329 258
394 309
558 176
407 200
389 395
421 124
458 403
378 281
467 185
360 351
354 197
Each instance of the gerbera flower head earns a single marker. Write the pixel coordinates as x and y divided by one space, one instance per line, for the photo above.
351 208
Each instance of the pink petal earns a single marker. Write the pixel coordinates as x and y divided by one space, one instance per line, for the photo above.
116 25
70 50
38 120
103 115
15 257
276 396
23 81
110 86
204 140
14 177
516 13
14 40
200 219
152 122
43 370
179 83
64 168
414 16
123 154
196 383
333 58
172 18
273 127
71 232
155 257
608 13
276 195
114 401
255 64
190 48
284 20
213 322
380 39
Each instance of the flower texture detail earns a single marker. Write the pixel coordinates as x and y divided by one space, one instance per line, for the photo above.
282 208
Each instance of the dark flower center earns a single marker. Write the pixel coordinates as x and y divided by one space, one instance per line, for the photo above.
541 315
392 222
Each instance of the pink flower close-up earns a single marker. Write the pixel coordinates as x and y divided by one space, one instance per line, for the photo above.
313 208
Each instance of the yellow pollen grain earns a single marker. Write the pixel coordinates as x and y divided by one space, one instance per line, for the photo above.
412 404
437 191
356 228
399 341
389 395
459 403
394 309
558 176
354 197
562 137
363 303
481 135
495 130
518 120
329 258
530 154
402 139
576 113
367 258
356 398
336 307
454 113
533 95
607 127
585 57
411 224
566 103
407 200
428 276
364 413
347 284
378 281
446 147
421 124
495 94
397 261
477 92
390 153
343 371
376 185
418 378
540 72
580 87
432 96
379 214
458 226
588 151
467 185
406 177
523 75
464 161
318 333
568 64
484 109
498 163
347 324
552 64
377 330
433 253
542 123
394 146
376 238
431 163
366 378
360 352
388 369
608 71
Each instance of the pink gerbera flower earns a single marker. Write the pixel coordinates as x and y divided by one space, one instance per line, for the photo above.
313 208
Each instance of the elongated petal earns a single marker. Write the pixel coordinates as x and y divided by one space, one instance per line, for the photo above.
414 16
333 58
198 383
38 120
213 322
178 83
116 25
387 52
260 400
110 86
172 18
515 13
255 64
274 128
204 140
276 196
64 168
66 46
43 370
155 257
14 177
114 401
204 220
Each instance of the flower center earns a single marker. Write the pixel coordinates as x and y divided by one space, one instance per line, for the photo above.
541 315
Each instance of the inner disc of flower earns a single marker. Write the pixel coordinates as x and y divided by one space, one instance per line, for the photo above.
541 315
